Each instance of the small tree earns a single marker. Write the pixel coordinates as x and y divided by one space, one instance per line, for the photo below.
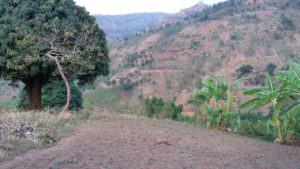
30 31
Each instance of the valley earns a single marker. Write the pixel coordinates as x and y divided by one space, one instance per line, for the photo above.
211 86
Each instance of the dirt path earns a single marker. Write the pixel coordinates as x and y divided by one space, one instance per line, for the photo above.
138 143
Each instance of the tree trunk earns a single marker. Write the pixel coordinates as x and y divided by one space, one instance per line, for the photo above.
34 90
62 74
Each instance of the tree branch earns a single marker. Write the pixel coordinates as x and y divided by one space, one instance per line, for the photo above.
62 74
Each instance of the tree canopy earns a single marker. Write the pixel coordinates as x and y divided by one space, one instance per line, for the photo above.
29 29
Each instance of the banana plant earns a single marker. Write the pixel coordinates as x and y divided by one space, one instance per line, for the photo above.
230 89
213 91
283 95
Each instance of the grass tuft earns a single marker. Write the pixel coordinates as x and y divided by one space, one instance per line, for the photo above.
49 128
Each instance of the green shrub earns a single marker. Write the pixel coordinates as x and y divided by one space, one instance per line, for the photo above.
166 110
245 69
236 36
127 84
54 96
194 45
172 111
153 106
271 68
254 124
287 23
258 128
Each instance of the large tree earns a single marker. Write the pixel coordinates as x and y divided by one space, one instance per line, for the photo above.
31 29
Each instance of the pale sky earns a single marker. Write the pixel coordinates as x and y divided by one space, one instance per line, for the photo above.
117 7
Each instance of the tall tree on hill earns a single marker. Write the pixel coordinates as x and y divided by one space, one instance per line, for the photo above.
30 30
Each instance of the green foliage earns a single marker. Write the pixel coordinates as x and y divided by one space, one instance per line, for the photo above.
127 84
172 111
245 69
187 119
199 83
210 97
170 30
138 59
236 36
257 128
271 68
219 10
194 45
54 95
30 29
107 98
153 106
11 104
167 110
283 94
72 160
287 23
254 124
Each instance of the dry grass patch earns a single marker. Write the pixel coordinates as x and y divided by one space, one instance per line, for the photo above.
20 131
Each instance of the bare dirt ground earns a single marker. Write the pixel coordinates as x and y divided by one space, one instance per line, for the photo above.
119 142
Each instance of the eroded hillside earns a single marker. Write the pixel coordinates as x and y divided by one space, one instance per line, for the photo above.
171 61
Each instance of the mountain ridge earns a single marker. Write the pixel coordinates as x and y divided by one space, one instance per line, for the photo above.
117 27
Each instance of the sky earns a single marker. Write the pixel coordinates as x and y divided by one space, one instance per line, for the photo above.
119 7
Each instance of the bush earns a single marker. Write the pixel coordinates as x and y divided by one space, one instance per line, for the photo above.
54 96
166 110
271 68
254 124
245 69
287 23
236 36
153 106
259 128
172 111
127 84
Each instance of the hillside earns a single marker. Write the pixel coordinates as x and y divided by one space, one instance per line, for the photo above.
181 16
171 61
119 26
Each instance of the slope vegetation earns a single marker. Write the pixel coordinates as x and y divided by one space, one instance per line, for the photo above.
169 62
